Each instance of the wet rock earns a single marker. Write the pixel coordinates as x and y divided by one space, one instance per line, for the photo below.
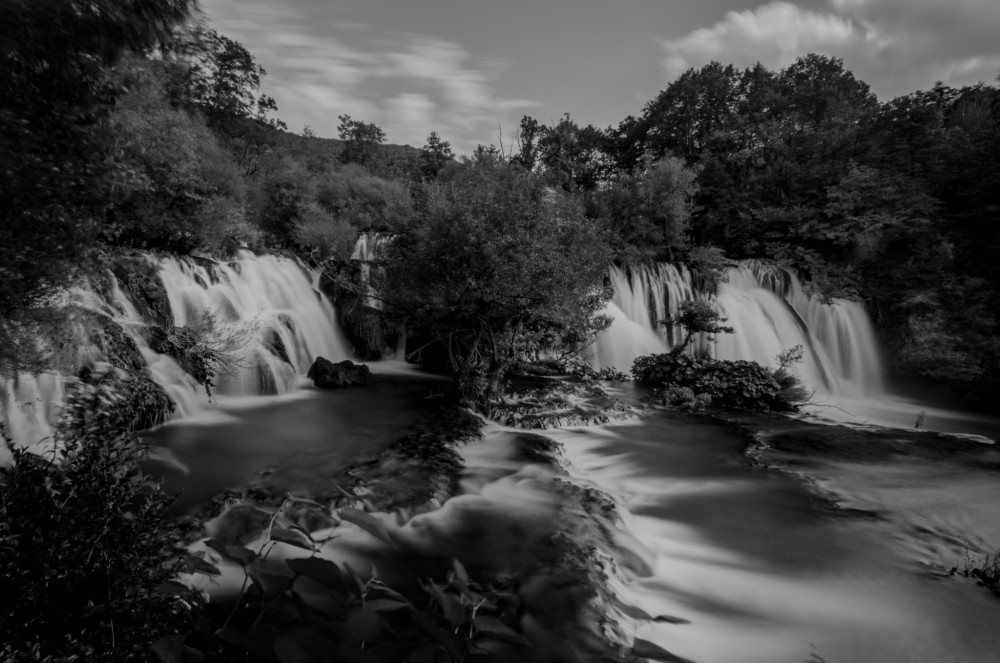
533 448
559 403
328 375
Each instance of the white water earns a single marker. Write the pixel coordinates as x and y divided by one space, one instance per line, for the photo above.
763 575
744 556
267 314
770 313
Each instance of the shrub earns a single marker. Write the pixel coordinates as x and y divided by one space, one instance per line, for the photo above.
83 549
738 383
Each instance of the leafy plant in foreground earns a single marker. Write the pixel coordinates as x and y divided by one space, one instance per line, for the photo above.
313 609
83 547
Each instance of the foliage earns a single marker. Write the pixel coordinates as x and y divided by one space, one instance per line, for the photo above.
648 212
287 611
366 201
740 383
684 398
435 154
498 266
57 171
223 81
696 317
361 140
323 235
180 187
83 547
204 348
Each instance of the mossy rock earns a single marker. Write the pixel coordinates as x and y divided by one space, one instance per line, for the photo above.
140 280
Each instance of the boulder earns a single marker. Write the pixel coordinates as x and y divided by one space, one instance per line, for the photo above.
328 375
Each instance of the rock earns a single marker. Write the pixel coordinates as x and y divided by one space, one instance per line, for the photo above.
327 375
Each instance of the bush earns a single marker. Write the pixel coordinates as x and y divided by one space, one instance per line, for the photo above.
738 383
83 549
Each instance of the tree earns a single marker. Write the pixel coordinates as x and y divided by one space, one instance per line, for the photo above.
695 317
666 190
498 267
529 131
57 170
224 81
574 157
435 154
361 140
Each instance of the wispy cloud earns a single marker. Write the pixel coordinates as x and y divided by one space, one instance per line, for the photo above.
897 46
409 84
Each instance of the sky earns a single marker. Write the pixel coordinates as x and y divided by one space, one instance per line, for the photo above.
470 69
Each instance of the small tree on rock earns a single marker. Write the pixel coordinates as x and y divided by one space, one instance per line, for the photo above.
696 317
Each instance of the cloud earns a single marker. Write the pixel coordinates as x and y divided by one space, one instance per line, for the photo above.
408 84
897 46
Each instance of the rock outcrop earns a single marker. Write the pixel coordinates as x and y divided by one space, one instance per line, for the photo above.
328 375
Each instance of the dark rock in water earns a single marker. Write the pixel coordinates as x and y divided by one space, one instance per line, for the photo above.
327 375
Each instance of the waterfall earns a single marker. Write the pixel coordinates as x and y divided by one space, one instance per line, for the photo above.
264 311
265 306
770 312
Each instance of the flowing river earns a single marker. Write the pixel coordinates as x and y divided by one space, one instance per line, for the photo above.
763 549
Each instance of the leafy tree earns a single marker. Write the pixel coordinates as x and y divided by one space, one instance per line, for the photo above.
180 188
366 201
56 176
499 266
529 131
224 81
572 156
435 154
695 317
361 140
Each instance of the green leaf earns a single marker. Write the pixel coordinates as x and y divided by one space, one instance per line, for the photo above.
293 538
460 571
369 523
274 584
232 553
321 570
386 605
450 606
438 634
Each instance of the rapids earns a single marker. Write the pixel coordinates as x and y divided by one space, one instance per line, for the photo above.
750 564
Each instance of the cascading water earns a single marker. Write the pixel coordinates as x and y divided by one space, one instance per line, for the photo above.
266 306
770 313
263 311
